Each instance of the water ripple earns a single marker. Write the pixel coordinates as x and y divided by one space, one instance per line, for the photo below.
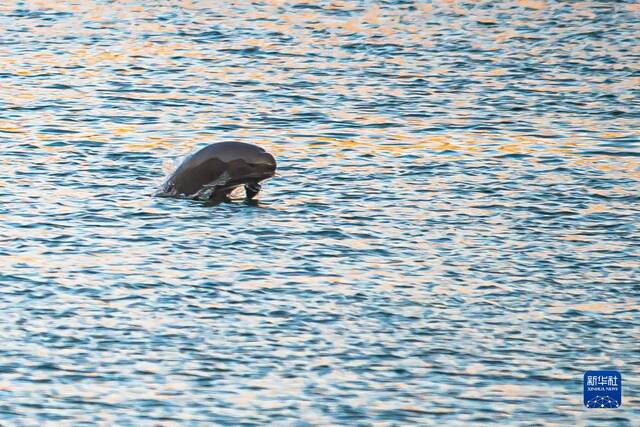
451 238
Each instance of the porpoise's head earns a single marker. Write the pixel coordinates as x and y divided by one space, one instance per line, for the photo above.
246 165
245 162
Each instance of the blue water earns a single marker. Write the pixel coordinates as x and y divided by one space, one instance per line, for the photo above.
452 238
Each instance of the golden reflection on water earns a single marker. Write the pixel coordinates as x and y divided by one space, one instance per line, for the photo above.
384 25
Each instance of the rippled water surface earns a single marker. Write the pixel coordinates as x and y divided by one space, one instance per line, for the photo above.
452 237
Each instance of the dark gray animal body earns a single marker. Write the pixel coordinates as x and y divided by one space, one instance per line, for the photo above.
212 173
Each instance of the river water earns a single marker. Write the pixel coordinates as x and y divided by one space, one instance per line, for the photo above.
452 237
